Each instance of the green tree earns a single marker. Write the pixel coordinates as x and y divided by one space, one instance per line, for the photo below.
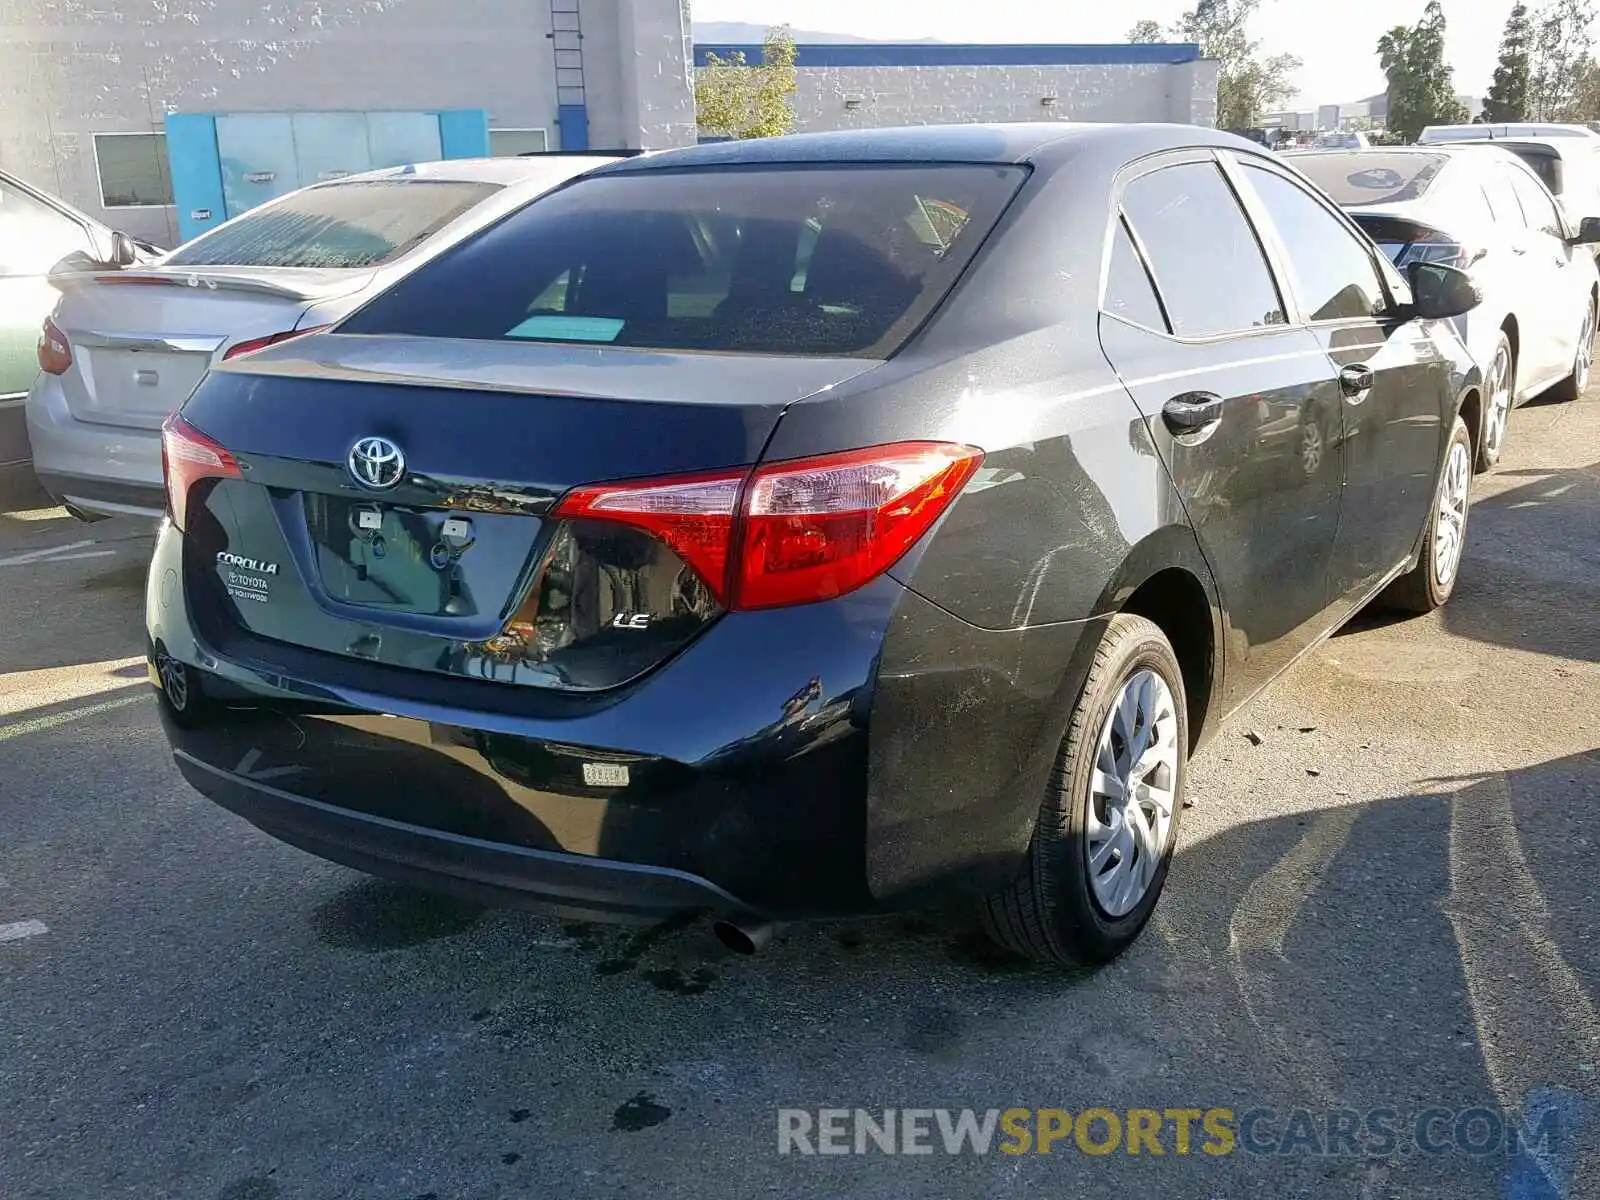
1508 94
1561 56
1421 92
1248 84
737 99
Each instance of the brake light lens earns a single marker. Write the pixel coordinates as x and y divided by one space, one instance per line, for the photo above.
272 339
791 532
55 353
187 457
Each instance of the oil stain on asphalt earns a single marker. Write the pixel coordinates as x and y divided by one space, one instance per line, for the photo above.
639 1112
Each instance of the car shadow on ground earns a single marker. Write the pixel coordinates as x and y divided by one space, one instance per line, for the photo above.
1424 950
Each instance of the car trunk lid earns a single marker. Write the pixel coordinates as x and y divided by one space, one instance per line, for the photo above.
143 338
460 568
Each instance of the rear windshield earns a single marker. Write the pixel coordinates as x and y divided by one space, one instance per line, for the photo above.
794 260
362 223
1546 164
1357 180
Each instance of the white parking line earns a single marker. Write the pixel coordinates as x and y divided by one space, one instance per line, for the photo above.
52 554
18 728
18 930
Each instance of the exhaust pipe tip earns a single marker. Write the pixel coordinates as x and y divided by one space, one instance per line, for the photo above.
742 937
77 513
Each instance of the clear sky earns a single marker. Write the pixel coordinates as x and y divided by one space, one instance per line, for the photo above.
1337 40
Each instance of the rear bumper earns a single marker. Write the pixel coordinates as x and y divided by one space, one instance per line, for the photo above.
848 756
490 872
108 470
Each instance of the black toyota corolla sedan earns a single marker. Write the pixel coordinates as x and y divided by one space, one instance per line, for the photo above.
818 525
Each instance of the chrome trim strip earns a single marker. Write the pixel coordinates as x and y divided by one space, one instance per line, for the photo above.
179 343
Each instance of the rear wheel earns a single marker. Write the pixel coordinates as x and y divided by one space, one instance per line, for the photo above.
1110 815
1574 385
1432 581
1499 386
182 694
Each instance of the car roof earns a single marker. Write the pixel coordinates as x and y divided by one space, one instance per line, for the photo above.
1517 129
1018 142
1561 146
1446 148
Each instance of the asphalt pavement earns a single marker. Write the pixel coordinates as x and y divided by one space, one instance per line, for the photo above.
1382 916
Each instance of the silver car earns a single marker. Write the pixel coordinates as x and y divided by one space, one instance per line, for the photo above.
124 348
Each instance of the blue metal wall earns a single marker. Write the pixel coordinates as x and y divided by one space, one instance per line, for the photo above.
225 163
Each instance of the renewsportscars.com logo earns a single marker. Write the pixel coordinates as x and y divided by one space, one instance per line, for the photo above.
1376 1132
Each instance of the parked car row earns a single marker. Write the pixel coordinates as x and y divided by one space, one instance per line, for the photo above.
753 528
1482 208
124 348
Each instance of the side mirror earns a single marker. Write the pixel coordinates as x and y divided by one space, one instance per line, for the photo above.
124 253
1439 292
1588 232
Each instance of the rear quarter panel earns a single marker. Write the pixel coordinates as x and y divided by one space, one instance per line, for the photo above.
1070 512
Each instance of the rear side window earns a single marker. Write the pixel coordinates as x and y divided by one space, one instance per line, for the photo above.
1204 255
1129 292
362 223
793 260
1543 164
1333 269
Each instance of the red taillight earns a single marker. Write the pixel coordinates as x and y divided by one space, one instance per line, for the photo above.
187 457
792 532
821 527
272 339
55 354
691 513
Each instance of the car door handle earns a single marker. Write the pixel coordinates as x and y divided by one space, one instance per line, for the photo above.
1356 381
1192 412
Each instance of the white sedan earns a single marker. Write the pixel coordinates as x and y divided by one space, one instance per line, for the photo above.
126 347
1481 208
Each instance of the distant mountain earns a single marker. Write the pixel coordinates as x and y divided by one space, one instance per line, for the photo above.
742 33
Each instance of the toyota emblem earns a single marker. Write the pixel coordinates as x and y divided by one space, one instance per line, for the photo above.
376 463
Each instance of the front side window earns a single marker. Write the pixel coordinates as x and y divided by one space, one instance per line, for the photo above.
133 169
1204 255
360 223
791 260
1333 271
33 236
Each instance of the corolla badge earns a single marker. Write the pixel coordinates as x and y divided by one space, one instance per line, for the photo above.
376 463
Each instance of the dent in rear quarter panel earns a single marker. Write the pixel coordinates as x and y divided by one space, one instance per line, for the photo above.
1010 593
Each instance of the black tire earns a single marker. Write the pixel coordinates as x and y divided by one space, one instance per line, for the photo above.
1420 590
182 694
1489 455
1574 385
1050 913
